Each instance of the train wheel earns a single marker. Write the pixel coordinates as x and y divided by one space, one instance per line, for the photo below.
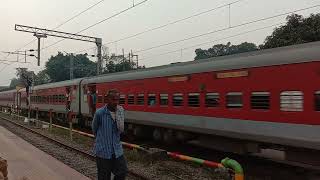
182 136
157 134
168 137
138 131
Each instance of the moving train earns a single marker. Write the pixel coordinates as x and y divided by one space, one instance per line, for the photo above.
267 99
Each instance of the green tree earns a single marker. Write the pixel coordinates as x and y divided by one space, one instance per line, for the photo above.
58 67
23 78
42 78
14 82
297 30
119 63
224 49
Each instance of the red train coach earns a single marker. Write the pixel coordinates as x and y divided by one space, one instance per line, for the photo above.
266 98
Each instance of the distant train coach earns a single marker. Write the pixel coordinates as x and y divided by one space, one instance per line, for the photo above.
243 103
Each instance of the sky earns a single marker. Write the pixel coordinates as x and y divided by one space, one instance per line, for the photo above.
152 13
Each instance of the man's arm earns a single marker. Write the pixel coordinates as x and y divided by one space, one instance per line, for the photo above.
95 124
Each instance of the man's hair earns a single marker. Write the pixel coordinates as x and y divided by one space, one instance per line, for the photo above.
112 92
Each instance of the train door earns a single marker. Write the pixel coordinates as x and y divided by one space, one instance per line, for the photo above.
18 100
92 99
68 96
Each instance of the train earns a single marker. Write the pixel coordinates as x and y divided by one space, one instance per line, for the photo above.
266 99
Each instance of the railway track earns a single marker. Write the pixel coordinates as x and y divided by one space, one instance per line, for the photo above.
78 159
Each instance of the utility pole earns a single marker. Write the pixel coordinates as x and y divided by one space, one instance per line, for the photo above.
39 36
123 60
71 66
137 58
99 55
21 53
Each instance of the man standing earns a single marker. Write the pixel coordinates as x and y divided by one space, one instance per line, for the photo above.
107 125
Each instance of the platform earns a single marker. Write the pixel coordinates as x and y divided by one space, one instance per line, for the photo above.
26 162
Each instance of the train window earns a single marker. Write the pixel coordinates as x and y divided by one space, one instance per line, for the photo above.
105 98
140 100
260 100
234 100
122 99
152 99
164 99
193 99
291 101
317 101
212 99
63 98
55 98
131 99
100 99
177 99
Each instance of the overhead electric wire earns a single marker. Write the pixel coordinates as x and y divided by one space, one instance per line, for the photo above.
99 22
224 29
75 16
1 60
212 41
173 22
61 24
167 24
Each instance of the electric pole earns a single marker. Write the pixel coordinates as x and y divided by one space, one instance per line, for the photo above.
39 36
137 58
43 33
99 55
71 66
123 60
24 53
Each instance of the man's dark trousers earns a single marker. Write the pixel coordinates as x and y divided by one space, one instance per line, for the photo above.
118 166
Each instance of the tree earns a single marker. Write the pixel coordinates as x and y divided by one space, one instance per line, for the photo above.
23 78
225 49
42 78
297 30
119 63
14 82
58 67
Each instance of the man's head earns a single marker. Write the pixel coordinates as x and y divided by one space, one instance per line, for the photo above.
112 98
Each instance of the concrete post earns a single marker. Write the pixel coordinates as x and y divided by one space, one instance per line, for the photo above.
50 117
70 124
37 116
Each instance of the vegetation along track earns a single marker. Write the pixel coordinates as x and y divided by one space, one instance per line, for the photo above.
78 159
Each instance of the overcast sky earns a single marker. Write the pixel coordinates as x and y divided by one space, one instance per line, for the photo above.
49 14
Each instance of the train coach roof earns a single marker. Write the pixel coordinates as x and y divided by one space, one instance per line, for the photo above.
58 84
9 91
284 55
